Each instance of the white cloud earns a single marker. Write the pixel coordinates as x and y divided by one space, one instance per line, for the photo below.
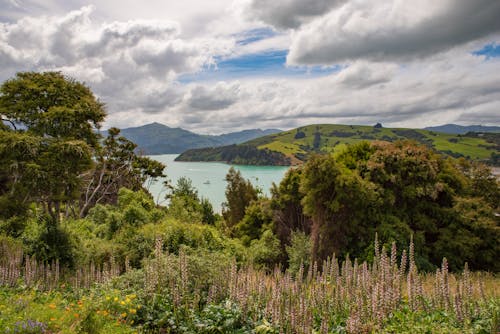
290 13
397 67
392 30
131 65
453 87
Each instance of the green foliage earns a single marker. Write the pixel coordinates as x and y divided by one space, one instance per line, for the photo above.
265 252
50 104
299 252
395 189
236 154
258 217
117 167
407 321
222 318
239 194
44 159
49 242
186 206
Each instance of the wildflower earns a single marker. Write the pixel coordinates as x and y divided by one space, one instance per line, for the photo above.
115 299
132 310
53 319
105 313
108 298
123 315
76 315
122 302
52 306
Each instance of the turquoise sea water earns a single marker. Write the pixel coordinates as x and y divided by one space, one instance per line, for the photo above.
208 177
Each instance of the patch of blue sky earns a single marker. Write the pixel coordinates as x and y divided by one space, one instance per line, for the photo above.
489 51
264 64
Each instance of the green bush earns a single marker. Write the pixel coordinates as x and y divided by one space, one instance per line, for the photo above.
299 252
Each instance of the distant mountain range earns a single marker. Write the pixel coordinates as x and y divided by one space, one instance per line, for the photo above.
293 147
461 130
156 138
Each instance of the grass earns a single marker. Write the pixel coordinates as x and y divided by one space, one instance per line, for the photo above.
333 135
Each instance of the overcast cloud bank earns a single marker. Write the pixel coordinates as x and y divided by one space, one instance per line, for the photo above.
399 63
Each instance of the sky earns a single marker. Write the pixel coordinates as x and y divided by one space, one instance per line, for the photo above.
226 65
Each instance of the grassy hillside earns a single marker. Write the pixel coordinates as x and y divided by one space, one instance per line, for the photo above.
298 144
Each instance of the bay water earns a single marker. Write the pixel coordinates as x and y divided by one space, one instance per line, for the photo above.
209 178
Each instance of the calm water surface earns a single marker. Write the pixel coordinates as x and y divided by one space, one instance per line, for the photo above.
208 177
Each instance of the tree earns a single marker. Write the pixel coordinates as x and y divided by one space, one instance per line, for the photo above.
338 200
239 194
116 166
51 105
50 140
398 189
185 204
287 211
51 153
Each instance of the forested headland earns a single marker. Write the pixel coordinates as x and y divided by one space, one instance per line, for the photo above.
379 236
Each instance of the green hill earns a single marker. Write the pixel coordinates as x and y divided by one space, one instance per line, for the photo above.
295 146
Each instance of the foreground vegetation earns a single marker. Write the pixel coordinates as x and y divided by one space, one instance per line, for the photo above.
206 292
84 248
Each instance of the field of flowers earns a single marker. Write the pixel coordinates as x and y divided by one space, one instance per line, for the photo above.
192 292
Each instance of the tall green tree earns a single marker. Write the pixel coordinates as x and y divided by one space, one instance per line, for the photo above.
50 138
51 152
239 194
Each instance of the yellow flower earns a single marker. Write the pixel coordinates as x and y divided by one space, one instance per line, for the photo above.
53 319
105 313
123 315
52 306
132 310
108 298
122 302
76 315
115 299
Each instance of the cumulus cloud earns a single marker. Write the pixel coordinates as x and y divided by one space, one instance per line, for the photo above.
392 30
131 65
456 87
290 13
219 97
401 63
